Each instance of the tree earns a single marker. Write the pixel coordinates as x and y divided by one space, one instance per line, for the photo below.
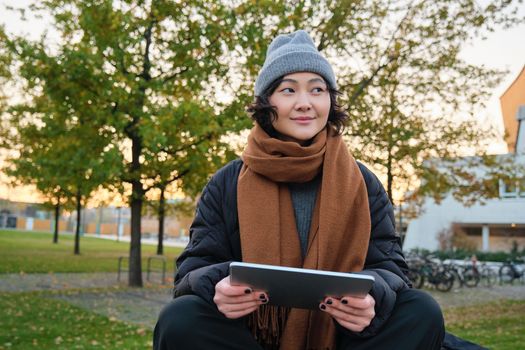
56 135
156 70
163 208
152 71
161 216
410 94
23 172
65 161
473 179
55 200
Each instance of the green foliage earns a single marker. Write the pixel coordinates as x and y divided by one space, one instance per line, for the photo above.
35 321
29 252
136 86
462 254
145 91
410 94
471 179
180 208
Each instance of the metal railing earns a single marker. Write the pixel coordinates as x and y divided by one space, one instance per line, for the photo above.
120 270
163 269
150 268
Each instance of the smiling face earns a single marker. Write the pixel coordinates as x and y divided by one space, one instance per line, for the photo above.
302 101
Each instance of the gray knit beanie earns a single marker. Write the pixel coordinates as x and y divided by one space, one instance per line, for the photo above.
290 53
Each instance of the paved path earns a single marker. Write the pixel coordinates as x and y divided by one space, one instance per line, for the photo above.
141 306
472 296
168 242
13 282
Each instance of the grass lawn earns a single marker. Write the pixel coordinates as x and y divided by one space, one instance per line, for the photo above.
35 321
32 252
497 326
32 321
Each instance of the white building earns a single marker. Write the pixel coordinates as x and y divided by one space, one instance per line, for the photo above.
499 224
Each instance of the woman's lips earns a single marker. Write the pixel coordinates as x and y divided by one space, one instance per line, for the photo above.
303 120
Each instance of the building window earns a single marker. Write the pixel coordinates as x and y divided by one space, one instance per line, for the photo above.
512 188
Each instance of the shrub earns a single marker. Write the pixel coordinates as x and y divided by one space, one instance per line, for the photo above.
462 254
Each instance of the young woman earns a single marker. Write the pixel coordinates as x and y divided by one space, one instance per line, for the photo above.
295 198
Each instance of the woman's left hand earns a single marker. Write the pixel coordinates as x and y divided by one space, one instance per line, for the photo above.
352 313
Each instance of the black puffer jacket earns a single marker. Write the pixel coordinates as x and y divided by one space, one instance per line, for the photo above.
215 242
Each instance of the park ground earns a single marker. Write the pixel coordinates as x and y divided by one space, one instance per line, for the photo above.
51 299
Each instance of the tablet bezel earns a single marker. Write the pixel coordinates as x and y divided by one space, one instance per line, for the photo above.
297 287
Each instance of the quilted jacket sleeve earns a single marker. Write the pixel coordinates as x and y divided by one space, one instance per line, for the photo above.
214 241
384 260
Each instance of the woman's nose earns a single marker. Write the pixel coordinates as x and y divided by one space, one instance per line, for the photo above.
303 102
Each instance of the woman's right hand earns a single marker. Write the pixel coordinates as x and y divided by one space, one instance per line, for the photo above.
237 301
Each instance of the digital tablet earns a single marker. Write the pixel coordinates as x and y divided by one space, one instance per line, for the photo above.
296 287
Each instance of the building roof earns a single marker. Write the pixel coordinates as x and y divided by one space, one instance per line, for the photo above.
513 82
510 101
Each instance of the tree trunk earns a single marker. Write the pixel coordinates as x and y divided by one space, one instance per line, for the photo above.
137 192
77 229
390 178
57 220
162 211
135 260
137 197
401 231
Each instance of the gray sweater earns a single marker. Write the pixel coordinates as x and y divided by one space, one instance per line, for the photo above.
304 196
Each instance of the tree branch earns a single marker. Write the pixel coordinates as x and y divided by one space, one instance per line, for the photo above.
206 137
365 82
145 74
174 75
165 183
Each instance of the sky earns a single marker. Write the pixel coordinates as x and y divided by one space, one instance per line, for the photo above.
503 49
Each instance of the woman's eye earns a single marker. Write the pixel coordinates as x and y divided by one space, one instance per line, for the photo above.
287 90
318 89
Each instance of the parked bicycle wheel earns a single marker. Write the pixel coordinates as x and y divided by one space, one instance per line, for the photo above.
470 277
458 281
444 281
489 277
416 278
506 274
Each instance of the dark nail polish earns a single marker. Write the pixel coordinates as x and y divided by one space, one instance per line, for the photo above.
264 301
247 291
262 296
344 301
329 301
323 307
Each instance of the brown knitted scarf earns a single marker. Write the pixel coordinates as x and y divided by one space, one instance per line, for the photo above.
339 233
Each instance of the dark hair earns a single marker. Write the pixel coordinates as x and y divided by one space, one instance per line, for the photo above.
264 113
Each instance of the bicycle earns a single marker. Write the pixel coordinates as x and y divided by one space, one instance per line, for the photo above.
433 273
488 276
466 275
510 271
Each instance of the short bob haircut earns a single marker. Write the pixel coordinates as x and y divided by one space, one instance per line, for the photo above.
264 113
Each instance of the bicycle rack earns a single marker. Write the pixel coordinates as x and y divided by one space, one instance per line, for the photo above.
120 258
163 270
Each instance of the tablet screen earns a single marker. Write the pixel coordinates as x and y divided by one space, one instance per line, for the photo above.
296 287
